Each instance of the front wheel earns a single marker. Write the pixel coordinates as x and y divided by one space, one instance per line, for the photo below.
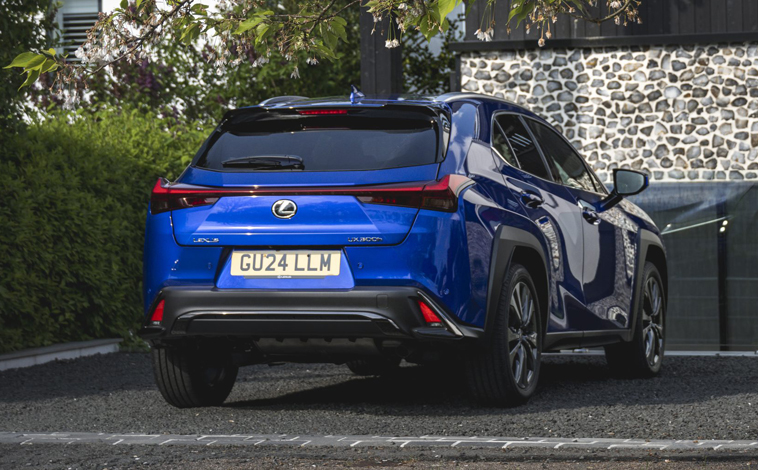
643 356
507 371
189 377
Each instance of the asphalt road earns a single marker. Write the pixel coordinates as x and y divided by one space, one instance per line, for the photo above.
694 398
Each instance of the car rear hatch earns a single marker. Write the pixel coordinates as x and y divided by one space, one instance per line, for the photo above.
309 177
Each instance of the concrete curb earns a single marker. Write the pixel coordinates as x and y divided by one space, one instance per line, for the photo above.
600 352
372 441
56 352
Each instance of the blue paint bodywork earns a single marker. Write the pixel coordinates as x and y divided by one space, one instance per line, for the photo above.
591 269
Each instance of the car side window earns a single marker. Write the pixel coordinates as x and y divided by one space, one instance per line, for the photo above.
501 145
526 153
565 164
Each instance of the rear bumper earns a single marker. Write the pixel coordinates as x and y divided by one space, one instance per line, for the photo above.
362 312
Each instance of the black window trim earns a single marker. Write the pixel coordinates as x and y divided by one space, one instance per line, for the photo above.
539 150
592 174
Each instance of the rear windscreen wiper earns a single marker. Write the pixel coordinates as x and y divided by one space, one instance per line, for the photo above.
267 162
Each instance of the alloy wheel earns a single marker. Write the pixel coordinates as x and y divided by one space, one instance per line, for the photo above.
652 321
522 335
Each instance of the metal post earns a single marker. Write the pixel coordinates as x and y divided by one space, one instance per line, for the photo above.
381 68
721 253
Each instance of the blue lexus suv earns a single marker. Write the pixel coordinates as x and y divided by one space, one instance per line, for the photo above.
365 231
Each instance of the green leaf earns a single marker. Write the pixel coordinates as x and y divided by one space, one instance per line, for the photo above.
324 51
186 36
445 25
32 77
338 29
36 62
51 51
260 32
251 23
428 26
22 60
521 11
445 7
199 8
48 66
124 4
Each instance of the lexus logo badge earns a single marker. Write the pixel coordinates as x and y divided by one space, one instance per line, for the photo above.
284 209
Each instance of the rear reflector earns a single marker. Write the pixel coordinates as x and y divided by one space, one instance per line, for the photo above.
158 312
439 195
429 316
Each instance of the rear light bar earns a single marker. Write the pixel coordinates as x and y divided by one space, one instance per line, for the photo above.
436 195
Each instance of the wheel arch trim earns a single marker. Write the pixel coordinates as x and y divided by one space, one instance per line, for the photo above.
647 239
504 244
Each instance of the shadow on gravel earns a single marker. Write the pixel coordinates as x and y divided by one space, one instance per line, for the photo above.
565 383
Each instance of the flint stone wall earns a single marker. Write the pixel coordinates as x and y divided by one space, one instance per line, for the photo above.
682 113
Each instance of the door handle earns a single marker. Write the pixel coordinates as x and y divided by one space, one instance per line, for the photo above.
531 199
590 216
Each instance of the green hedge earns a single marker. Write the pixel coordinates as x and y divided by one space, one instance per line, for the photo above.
74 197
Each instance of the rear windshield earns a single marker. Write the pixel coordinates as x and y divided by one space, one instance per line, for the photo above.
356 139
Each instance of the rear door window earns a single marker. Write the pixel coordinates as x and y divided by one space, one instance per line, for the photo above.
526 153
565 164
335 140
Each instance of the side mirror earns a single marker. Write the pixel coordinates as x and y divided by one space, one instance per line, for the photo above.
629 182
625 183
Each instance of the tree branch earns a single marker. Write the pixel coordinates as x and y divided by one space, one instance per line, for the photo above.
604 19
141 40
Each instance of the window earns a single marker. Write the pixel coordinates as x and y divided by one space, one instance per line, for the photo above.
359 139
75 18
527 157
502 147
565 164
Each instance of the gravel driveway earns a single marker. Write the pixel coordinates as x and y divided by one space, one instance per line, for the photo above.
694 398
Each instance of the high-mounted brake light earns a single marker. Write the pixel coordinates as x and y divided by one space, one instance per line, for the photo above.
430 317
436 195
157 316
321 112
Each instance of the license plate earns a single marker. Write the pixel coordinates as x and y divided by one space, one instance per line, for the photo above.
286 264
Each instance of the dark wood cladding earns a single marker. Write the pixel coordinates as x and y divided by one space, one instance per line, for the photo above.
663 21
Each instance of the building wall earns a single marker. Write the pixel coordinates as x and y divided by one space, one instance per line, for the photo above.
683 113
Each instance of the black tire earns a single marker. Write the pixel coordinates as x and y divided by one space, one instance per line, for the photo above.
189 377
494 375
377 366
643 356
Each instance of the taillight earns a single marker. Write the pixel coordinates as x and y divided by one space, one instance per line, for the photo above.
436 195
157 316
166 198
439 195
430 317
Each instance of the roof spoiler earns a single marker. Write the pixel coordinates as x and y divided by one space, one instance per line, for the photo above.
281 99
